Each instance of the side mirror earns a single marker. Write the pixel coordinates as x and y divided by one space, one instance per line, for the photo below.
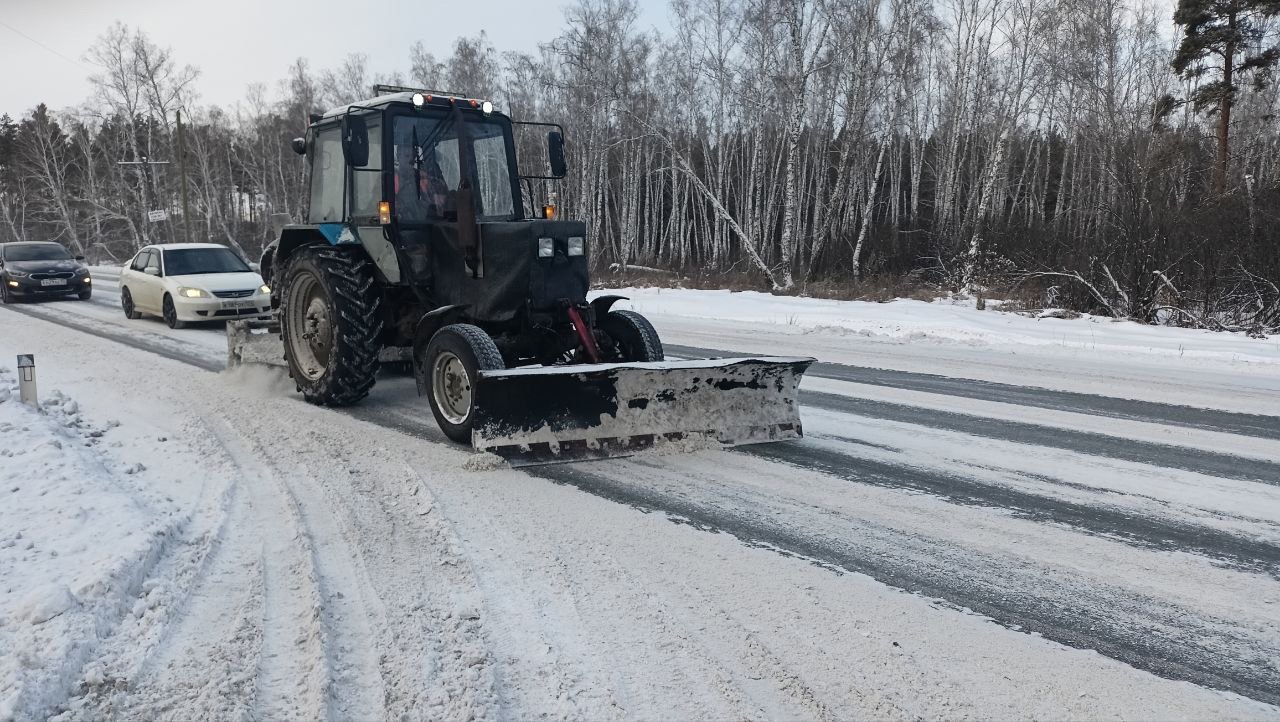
152 270
355 141
299 145
555 154
79 258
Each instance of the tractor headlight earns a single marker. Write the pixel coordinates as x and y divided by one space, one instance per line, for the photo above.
546 247
577 246
192 292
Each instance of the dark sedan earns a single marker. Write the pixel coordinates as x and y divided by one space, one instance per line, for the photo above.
41 270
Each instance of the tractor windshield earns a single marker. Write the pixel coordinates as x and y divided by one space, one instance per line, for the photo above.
425 160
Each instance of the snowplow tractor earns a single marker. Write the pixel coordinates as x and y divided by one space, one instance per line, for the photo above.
420 249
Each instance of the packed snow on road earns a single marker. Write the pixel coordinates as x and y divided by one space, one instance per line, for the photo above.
989 515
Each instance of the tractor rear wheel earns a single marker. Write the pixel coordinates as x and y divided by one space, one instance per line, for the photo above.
633 337
330 324
448 371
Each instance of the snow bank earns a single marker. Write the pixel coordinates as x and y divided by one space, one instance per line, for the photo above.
948 322
76 541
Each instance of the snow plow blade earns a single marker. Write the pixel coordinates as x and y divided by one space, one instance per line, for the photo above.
570 413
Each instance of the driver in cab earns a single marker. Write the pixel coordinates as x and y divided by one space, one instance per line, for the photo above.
420 187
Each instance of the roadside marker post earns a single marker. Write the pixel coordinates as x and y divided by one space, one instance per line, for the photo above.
27 379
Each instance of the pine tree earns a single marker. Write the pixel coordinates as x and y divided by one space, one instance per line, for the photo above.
1231 31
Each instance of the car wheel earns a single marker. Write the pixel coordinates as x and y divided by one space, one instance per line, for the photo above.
171 313
126 303
448 371
5 295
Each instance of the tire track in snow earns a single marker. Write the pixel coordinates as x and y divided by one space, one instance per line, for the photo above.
1256 425
293 674
140 655
1102 520
1226 466
159 345
1141 631
339 660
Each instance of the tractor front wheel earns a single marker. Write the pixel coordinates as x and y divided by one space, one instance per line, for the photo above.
448 372
330 324
631 336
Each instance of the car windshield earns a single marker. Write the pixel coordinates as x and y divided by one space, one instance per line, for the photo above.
188 261
36 252
425 160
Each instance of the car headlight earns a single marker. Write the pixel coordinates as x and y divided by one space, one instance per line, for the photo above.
193 292
546 247
577 246
18 274
82 271
264 288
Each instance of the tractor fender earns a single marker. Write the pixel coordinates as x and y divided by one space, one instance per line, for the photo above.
291 239
601 305
431 322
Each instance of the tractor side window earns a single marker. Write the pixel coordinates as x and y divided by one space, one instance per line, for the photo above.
327 168
366 181
493 178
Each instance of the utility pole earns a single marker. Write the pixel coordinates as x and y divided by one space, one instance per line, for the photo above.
182 174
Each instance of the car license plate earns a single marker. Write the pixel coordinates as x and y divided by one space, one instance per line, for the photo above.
53 282
236 305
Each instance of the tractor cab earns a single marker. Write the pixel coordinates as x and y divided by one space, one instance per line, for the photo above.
429 184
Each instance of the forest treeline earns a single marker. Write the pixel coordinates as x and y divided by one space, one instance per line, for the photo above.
1046 146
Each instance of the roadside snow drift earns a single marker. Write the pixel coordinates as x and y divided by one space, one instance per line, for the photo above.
951 323
76 540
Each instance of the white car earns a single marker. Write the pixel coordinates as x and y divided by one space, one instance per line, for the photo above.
186 282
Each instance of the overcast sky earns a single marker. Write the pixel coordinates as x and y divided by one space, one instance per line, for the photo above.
237 42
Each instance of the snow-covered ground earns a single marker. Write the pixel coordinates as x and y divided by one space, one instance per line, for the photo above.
965 532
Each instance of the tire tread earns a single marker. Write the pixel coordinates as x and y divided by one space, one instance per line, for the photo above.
350 282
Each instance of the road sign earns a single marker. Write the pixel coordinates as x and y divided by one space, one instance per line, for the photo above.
157 216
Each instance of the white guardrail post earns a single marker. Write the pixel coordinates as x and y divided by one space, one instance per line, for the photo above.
27 379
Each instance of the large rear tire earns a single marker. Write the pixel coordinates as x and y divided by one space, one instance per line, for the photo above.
633 337
330 324
448 371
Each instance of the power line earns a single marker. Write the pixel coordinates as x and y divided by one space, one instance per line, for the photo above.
46 47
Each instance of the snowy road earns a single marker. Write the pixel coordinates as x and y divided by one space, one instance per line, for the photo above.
960 534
